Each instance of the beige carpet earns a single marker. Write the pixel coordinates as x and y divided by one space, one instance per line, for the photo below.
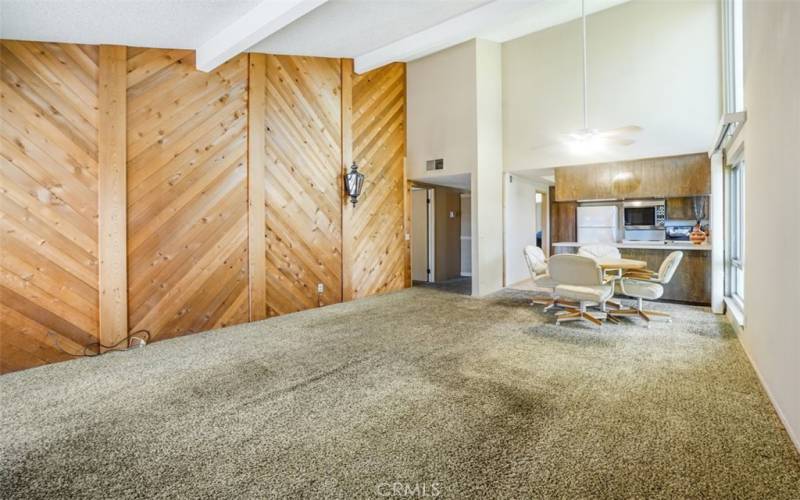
412 392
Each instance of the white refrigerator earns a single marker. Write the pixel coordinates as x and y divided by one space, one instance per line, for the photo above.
597 224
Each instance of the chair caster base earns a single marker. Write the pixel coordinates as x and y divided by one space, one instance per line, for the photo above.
597 319
646 315
549 303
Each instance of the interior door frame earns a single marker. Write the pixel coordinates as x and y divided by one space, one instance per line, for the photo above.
544 219
431 193
430 229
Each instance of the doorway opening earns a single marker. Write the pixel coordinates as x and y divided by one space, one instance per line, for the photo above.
441 239
526 223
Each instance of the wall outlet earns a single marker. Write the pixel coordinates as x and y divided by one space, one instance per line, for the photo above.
408 237
320 288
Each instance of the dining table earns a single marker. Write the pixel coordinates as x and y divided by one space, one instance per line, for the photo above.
611 264
614 269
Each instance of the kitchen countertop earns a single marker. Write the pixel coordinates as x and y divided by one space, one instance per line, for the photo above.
655 245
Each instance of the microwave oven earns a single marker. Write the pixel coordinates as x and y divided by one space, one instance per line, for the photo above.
644 220
644 214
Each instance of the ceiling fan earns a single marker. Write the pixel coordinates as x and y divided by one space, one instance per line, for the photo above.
586 139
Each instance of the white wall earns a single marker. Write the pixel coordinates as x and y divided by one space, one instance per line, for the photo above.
772 205
441 111
520 225
455 113
487 183
652 64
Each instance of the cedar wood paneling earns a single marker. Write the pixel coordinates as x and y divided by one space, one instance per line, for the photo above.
187 184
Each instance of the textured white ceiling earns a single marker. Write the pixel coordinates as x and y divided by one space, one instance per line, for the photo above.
180 24
338 28
349 28
542 15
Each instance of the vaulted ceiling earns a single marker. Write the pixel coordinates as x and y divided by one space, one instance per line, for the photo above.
373 32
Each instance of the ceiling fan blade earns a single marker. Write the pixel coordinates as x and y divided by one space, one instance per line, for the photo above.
630 129
622 141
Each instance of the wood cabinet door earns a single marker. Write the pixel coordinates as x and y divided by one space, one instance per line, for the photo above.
563 221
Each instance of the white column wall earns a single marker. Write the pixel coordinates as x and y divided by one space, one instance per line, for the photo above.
487 183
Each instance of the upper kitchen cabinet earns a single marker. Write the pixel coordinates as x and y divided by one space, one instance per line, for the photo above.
667 177
689 208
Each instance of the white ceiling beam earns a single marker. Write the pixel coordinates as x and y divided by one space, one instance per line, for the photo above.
261 21
447 34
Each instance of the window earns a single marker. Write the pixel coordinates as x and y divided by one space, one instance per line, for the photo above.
733 44
734 261
734 187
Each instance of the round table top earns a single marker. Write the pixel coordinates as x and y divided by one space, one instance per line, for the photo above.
624 264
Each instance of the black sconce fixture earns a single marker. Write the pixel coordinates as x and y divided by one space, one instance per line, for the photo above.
353 183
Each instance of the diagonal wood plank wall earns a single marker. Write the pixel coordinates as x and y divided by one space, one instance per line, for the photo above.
190 164
303 183
187 193
378 245
48 202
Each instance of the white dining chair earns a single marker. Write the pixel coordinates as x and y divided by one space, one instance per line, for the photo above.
599 251
537 266
648 285
580 279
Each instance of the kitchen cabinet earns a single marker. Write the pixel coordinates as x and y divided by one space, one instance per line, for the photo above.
683 208
667 177
563 220
691 282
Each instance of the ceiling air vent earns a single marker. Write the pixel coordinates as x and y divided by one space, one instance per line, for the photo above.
435 164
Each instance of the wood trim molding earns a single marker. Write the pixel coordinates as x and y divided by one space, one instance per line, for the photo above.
406 194
406 227
112 195
256 159
348 241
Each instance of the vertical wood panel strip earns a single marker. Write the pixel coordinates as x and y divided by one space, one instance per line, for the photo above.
112 194
407 193
407 227
348 241
256 159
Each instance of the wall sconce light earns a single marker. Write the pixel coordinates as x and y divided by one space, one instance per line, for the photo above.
353 182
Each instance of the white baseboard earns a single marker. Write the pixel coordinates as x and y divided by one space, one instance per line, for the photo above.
793 435
466 275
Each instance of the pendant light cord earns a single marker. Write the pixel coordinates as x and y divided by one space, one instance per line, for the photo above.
585 77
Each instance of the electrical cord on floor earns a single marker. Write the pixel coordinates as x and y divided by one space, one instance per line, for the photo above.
142 337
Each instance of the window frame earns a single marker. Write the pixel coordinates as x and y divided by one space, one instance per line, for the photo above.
735 228
733 55
735 170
